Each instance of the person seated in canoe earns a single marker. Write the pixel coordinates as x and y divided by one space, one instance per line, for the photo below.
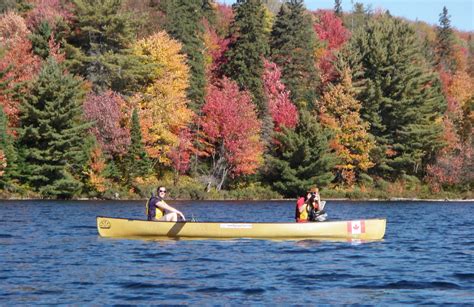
158 210
310 208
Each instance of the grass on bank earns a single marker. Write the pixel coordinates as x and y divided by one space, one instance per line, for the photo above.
192 189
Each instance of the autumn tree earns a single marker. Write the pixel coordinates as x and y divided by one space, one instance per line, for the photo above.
52 135
163 104
351 142
246 52
401 97
332 34
19 61
181 154
107 113
231 128
453 164
52 12
282 110
302 159
292 45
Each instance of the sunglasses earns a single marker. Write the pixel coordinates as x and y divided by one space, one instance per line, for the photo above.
162 191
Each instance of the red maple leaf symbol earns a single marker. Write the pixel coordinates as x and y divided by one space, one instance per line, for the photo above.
356 226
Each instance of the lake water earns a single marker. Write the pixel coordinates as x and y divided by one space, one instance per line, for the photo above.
50 253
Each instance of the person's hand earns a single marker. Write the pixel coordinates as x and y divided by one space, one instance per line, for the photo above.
182 216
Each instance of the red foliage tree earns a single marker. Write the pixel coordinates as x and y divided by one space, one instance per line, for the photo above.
50 11
107 111
448 168
224 17
18 59
231 128
216 47
180 155
280 107
331 31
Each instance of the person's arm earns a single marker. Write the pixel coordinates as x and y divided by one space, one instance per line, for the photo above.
301 204
167 207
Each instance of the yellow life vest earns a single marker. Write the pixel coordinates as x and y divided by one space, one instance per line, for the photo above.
149 211
159 212
304 214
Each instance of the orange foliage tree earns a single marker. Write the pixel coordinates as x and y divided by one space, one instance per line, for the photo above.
352 143
97 165
232 130
19 61
163 105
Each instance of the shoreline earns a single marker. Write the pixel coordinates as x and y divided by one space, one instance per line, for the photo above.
393 199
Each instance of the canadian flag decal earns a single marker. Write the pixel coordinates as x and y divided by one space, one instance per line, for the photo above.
356 227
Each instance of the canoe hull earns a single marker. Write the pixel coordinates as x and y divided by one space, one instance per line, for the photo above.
371 229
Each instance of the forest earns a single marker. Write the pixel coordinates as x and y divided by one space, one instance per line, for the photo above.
261 99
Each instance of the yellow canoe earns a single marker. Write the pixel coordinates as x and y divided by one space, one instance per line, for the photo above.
371 229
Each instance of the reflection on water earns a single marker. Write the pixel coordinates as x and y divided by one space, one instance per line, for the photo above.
50 253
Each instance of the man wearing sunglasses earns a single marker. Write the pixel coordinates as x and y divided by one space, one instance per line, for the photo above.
159 210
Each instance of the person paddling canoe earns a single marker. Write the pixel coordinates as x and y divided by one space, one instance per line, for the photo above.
310 208
158 210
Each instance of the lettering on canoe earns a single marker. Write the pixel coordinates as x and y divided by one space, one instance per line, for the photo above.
104 224
237 226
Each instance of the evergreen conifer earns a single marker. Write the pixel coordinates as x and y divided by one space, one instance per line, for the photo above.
97 47
292 43
137 162
52 133
401 99
338 8
245 55
39 39
444 42
302 159
8 150
184 23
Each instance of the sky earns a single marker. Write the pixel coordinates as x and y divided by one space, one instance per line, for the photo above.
461 11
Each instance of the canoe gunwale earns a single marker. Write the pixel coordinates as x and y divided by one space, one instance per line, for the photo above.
231 222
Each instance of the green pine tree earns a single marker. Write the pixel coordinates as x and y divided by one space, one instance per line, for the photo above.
292 45
358 17
39 39
137 163
401 97
338 8
52 133
245 54
8 150
6 140
302 159
184 23
16 5
445 42
97 47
